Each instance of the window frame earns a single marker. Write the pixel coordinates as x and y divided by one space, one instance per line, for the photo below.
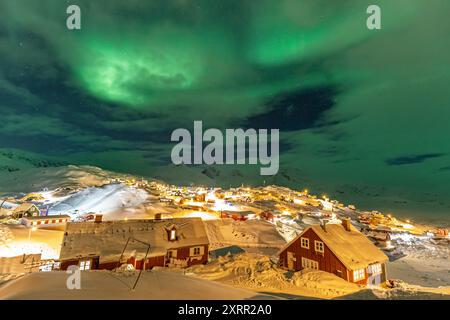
306 241
375 269
310 264
85 265
173 234
196 251
319 246
359 274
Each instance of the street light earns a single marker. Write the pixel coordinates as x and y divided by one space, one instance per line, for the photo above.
29 233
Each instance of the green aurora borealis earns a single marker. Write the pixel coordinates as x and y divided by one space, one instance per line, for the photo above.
363 114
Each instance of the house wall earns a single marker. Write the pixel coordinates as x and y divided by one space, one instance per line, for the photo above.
111 265
382 277
150 262
184 254
327 261
76 262
156 261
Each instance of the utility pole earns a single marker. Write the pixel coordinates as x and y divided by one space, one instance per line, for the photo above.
145 258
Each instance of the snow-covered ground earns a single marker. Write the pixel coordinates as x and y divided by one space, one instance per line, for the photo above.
101 200
79 190
260 274
154 285
16 240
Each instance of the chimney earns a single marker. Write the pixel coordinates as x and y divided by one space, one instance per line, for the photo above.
158 216
346 224
324 224
98 218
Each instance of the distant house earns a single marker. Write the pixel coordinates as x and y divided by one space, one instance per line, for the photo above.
200 197
26 210
143 243
268 215
338 249
237 215
45 221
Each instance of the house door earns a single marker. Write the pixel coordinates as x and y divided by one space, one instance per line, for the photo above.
290 260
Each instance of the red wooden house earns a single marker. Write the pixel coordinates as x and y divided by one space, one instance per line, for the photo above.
338 249
268 215
237 215
143 243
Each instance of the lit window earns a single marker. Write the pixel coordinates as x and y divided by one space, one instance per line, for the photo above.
309 264
197 251
318 245
358 275
45 268
304 243
172 253
85 265
375 268
173 235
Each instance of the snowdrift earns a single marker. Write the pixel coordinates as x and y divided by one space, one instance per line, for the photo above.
97 285
259 273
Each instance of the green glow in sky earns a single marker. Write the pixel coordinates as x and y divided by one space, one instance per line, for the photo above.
139 69
131 71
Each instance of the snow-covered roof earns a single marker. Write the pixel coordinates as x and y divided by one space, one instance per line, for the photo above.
24 207
108 238
352 248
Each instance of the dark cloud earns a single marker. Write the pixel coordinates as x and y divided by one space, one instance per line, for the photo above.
297 110
412 159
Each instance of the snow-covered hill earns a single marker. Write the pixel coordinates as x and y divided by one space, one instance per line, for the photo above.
100 200
228 175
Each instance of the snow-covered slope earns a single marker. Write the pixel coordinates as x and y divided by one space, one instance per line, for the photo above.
100 200
228 175
34 179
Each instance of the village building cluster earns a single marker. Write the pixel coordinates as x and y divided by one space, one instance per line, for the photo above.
320 233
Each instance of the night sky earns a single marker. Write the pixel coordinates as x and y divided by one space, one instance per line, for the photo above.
356 108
